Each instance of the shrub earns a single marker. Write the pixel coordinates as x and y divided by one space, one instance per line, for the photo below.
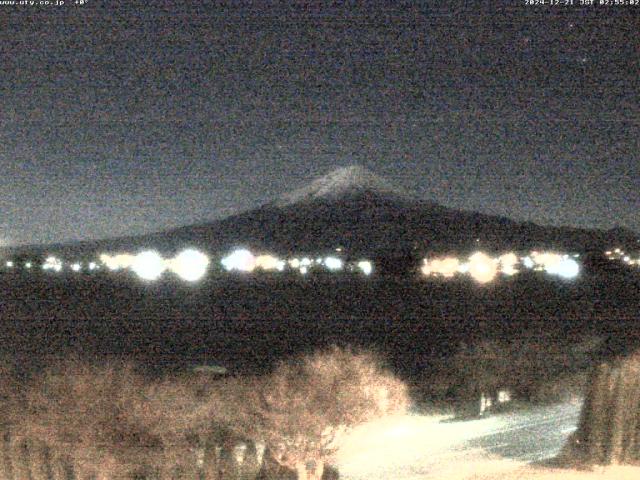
84 412
539 369
303 407
108 422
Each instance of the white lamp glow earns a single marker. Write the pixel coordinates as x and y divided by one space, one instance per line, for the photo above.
333 263
241 260
482 268
148 265
190 265
365 266
565 268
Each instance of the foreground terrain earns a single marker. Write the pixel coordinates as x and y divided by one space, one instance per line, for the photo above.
514 446
433 447
444 339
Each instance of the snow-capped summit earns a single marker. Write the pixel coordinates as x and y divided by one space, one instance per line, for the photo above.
342 181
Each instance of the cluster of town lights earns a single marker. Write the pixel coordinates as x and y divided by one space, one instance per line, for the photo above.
190 265
622 256
484 268
55 264
243 260
52 263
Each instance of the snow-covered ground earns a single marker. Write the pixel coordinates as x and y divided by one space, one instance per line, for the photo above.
421 447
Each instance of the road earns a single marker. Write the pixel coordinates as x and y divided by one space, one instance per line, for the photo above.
420 447
531 436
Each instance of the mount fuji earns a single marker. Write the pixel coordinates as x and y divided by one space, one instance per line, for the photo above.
345 182
365 214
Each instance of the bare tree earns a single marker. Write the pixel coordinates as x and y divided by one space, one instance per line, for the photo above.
303 408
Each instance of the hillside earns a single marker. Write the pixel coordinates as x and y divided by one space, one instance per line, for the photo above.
364 213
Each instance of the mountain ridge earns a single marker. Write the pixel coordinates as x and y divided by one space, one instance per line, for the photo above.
363 212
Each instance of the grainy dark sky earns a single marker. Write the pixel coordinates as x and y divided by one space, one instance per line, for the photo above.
118 118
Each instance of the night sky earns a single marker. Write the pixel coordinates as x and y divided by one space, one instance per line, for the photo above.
122 119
